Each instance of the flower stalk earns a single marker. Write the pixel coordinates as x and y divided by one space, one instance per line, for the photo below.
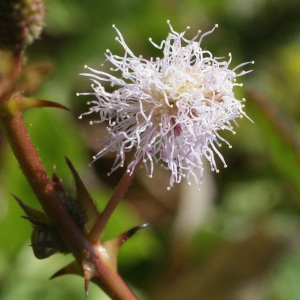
112 204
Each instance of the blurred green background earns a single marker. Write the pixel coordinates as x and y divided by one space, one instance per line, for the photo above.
239 238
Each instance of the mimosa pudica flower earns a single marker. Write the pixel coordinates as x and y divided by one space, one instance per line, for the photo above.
168 109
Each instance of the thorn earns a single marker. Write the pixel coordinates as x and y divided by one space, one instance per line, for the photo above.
18 103
46 103
126 235
88 273
86 288
111 247
71 268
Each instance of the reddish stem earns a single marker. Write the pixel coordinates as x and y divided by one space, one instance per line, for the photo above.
40 183
112 204
34 171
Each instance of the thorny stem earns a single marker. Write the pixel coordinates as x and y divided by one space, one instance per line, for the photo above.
35 173
40 183
112 204
16 134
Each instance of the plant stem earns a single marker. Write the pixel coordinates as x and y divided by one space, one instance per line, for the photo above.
34 171
16 134
112 204
40 183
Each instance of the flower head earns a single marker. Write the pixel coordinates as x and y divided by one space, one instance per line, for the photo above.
168 109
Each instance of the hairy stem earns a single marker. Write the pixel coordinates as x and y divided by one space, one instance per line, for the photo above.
111 205
40 183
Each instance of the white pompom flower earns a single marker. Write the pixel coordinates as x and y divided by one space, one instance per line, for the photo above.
168 109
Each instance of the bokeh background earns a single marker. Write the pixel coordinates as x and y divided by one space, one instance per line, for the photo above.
239 237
